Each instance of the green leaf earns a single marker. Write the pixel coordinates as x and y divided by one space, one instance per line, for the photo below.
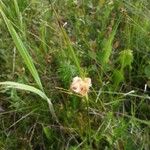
126 58
107 46
48 132
22 50
20 86
117 77
147 71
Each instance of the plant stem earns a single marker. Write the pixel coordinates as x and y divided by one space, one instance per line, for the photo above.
88 123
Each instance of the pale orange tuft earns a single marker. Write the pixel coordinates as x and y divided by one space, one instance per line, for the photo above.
81 86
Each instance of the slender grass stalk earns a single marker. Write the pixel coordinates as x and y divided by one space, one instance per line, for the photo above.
72 52
18 13
88 116
2 5
68 43
107 49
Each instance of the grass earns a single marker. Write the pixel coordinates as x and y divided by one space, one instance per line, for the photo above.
44 44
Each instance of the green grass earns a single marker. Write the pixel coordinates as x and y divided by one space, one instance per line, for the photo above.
44 44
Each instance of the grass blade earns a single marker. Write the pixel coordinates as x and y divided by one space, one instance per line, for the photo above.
107 49
22 50
20 86
18 13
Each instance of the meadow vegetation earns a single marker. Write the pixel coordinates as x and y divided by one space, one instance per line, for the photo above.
44 44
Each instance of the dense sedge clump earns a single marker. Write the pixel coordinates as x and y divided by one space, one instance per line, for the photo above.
81 86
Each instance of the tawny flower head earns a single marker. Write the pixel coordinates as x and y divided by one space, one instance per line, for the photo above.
81 86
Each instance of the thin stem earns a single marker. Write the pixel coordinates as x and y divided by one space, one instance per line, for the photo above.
88 124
